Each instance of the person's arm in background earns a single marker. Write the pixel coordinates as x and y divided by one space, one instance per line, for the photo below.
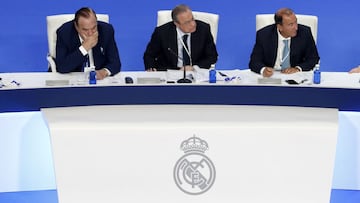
355 70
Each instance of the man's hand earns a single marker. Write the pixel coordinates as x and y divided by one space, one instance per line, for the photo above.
355 70
101 74
151 70
290 70
90 41
268 71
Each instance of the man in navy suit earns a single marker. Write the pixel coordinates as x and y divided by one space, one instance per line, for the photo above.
166 49
267 54
85 41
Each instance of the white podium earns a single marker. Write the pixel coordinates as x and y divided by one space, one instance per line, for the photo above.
193 153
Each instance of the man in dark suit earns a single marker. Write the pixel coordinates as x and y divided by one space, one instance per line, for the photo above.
268 53
85 41
167 50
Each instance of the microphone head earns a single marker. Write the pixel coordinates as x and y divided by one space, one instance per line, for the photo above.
174 53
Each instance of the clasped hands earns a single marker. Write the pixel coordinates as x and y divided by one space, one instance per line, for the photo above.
268 71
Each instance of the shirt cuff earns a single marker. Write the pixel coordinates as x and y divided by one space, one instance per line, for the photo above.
299 68
108 72
83 50
262 70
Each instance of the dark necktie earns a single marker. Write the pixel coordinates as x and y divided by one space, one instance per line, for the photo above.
86 63
186 58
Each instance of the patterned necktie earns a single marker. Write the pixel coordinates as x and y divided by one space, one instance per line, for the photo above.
186 58
285 57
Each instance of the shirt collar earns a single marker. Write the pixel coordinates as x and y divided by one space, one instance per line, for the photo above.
281 38
181 33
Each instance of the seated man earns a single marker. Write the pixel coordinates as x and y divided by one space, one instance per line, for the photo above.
167 50
285 46
85 42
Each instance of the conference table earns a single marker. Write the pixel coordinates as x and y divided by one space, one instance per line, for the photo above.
50 92
30 92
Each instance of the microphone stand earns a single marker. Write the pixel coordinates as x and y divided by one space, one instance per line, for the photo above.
184 79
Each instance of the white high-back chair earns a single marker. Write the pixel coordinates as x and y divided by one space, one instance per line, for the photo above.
263 20
53 23
212 19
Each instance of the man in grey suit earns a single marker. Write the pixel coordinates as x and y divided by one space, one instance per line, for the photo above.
167 48
268 54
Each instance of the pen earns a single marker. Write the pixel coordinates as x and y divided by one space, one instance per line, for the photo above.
227 78
16 83
223 74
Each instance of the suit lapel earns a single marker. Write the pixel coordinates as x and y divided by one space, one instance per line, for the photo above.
274 44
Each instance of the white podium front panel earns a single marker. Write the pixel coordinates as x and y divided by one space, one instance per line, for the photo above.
193 153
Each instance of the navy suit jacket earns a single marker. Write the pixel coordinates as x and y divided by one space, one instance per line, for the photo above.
157 54
303 51
70 59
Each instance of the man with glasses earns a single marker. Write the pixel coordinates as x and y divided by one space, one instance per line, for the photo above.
182 43
86 42
285 46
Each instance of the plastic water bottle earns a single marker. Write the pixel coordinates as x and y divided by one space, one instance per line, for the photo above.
92 77
212 75
317 74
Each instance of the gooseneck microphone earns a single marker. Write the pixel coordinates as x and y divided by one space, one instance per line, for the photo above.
184 79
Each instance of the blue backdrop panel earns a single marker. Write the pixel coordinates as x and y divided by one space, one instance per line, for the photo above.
23 37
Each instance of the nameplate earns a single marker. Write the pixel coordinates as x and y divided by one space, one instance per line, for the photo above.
57 82
269 81
148 80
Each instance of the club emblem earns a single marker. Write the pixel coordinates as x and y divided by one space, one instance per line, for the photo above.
194 172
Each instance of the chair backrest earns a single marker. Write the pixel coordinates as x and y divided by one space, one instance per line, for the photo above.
263 20
53 23
212 19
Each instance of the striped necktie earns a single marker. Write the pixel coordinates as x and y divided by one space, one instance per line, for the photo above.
285 56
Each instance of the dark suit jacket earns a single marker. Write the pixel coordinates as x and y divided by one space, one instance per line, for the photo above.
70 59
157 54
303 51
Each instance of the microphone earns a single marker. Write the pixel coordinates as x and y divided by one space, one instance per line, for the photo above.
184 79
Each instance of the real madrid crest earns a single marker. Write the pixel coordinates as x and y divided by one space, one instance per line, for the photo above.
194 172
